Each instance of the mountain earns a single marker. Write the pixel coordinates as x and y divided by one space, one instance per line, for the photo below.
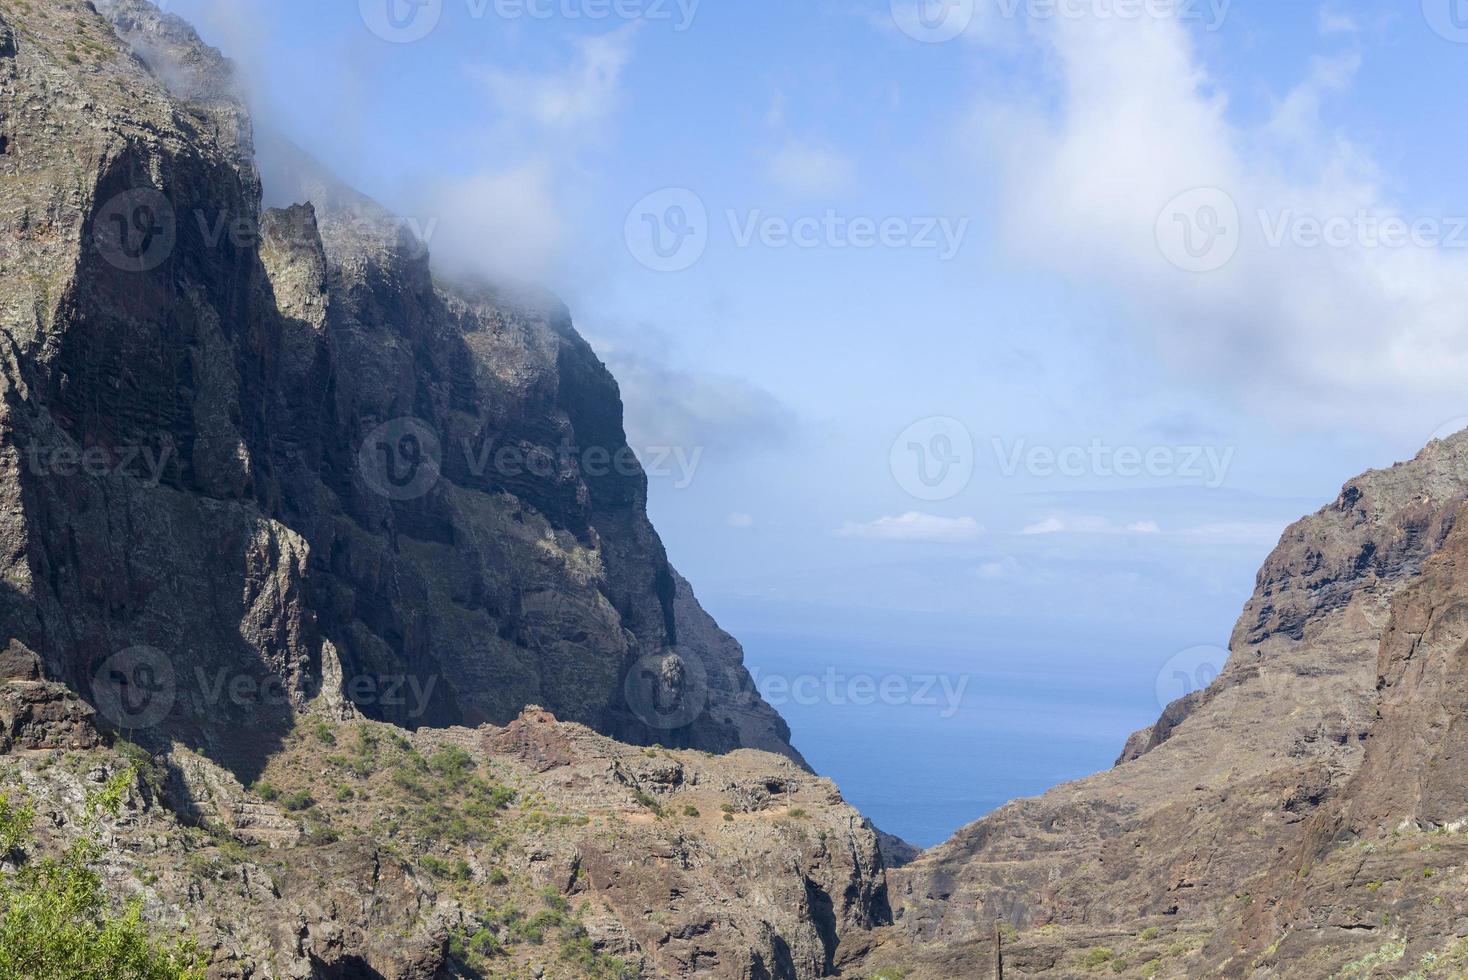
333 631
261 458
334 580
1301 817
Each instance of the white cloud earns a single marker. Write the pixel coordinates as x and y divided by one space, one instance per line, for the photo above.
1308 332
1050 525
510 223
669 406
1089 525
996 570
1226 533
741 521
583 93
804 168
914 526
1336 21
499 225
1261 533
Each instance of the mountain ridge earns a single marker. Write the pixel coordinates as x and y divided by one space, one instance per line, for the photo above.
270 358
379 705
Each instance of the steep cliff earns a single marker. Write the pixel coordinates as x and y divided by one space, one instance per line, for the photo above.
257 458
1334 722
292 532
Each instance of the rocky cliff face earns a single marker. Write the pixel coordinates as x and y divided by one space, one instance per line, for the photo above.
313 528
1223 841
255 459
535 849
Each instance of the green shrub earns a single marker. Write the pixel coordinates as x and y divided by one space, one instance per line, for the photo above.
57 921
15 826
691 811
647 802
579 951
452 870
452 762
298 801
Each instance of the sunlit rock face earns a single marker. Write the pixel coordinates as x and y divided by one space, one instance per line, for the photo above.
258 457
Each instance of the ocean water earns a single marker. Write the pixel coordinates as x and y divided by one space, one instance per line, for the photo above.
926 741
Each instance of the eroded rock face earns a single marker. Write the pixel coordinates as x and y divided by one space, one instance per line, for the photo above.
250 452
539 846
1211 817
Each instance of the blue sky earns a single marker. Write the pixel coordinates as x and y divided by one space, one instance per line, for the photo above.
1132 322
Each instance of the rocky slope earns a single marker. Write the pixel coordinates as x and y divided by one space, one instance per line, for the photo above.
1335 723
292 532
536 849
255 458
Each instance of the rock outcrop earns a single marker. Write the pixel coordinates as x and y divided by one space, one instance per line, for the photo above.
251 459
296 537
1334 720
540 846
